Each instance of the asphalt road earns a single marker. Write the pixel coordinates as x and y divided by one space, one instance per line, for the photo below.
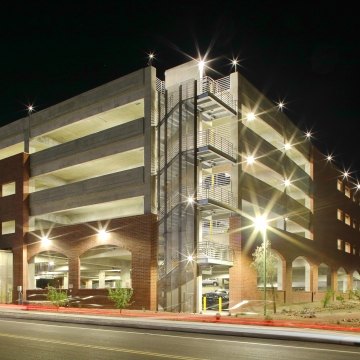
21 339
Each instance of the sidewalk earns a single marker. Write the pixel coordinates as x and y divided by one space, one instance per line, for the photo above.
197 323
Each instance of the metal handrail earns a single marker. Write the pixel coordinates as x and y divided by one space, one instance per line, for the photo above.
210 137
213 250
220 194
215 87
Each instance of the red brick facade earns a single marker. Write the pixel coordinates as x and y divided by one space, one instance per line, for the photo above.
16 208
137 234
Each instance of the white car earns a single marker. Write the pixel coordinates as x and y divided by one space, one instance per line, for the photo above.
222 291
214 282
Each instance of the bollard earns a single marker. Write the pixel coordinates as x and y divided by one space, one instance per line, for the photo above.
220 304
204 303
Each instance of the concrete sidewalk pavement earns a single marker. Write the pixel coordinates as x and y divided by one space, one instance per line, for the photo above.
196 323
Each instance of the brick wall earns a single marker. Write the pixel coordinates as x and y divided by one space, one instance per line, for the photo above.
137 234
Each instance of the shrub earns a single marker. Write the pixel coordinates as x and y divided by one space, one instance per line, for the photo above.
120 296
327 298
57 296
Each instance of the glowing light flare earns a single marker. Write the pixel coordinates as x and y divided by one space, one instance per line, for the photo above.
280 105
357 186
250 116
30 108
250 159
190 258
235 63
308 135
201 66
287 182
260 223
287 146
190 200
151 58
345 174
103 234
329 158
45 240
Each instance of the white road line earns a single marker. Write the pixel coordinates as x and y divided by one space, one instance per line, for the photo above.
194 338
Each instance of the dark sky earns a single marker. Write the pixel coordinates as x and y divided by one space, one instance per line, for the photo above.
306 52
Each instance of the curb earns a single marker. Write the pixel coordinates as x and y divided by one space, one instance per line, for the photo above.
215 328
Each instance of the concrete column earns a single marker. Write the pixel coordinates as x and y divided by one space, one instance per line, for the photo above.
101 279
66 281
31 276
88 284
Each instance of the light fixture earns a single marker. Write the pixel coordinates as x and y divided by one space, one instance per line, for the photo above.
30 108
235 63
357 186
51 263
190 200
250 160
201 65
308 134
345 174
190 258
151 58
45 240
280 105
329 157
287 146
260 223
103 234
287 182
250 116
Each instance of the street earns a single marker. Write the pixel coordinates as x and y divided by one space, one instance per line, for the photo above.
21 339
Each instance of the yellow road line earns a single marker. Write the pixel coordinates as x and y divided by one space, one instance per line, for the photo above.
96 347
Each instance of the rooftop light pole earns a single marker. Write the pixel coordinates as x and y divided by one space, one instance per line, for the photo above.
151 58
235 63
27 135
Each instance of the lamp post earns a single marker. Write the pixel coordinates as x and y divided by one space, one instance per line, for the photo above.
260 223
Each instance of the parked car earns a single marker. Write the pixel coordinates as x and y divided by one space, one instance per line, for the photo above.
212 300
214 282
222 291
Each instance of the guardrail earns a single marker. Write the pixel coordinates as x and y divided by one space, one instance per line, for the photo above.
215 251
220 194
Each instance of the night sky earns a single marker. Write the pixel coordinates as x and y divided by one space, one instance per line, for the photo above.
303 52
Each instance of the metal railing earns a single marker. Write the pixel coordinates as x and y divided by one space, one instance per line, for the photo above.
220 194
215 251
160 86
213 227
216 87
210 137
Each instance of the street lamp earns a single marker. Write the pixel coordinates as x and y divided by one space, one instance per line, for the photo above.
260 223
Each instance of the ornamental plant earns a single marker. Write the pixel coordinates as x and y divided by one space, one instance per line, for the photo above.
57 297
121 297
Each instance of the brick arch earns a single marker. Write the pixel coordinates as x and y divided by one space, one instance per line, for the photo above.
281 273
36 249
94 242
279 254
311 262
